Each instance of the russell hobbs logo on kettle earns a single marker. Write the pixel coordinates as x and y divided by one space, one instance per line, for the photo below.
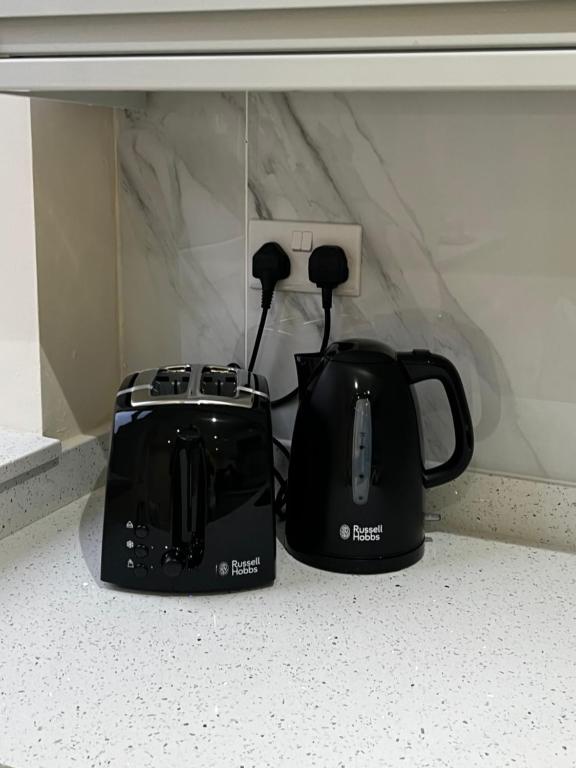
238 567
361 532
345 532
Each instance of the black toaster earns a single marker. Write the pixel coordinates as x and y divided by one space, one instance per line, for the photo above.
190 487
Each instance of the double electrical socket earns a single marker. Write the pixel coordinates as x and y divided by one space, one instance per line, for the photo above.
298 239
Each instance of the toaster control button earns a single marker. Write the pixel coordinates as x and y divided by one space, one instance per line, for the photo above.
173 563
141 531
140 550
140 571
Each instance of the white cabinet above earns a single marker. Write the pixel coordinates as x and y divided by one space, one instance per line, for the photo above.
68 27
57 47
13 8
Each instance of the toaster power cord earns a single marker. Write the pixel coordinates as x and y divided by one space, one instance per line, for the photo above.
270 264
258 339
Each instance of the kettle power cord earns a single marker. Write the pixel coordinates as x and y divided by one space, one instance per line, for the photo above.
327 269
281 447
325 339
281 496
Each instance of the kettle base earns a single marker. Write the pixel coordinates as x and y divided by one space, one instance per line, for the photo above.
353 565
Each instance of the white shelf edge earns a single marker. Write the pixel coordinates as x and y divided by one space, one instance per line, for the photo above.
463 70
23 452
292 46
47 8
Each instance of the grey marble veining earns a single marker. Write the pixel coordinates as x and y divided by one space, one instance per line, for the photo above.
182 230
466 204
465 659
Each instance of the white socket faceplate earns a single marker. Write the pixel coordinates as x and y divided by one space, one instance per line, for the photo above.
298 239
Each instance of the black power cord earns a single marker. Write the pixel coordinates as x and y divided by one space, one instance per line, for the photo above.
258 339
325 339
270 264
327 327
281 496
327 268
281 447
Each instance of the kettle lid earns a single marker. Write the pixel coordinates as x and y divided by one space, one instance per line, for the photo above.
360 351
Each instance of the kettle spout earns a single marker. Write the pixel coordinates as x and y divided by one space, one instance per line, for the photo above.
306 364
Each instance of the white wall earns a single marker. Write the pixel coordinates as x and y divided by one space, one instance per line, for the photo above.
59 346
20 397
75 203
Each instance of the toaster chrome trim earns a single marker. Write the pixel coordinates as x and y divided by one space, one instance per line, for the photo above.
141 391
257 392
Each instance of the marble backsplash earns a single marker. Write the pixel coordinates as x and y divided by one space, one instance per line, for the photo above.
467 207
181 212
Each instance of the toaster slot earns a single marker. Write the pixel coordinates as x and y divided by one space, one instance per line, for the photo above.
222 382
170 381
189 496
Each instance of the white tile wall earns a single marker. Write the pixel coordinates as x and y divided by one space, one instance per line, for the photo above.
468 206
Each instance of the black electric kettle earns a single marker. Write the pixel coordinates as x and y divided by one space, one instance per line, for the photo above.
356 476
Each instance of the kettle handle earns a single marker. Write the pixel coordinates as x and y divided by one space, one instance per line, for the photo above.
421 365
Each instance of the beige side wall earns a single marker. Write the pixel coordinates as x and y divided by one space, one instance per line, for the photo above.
20 404
74 193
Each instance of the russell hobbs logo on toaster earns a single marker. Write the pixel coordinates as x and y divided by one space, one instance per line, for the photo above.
239 567
361 532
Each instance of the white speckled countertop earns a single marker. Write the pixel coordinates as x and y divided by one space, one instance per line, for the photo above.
466 659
